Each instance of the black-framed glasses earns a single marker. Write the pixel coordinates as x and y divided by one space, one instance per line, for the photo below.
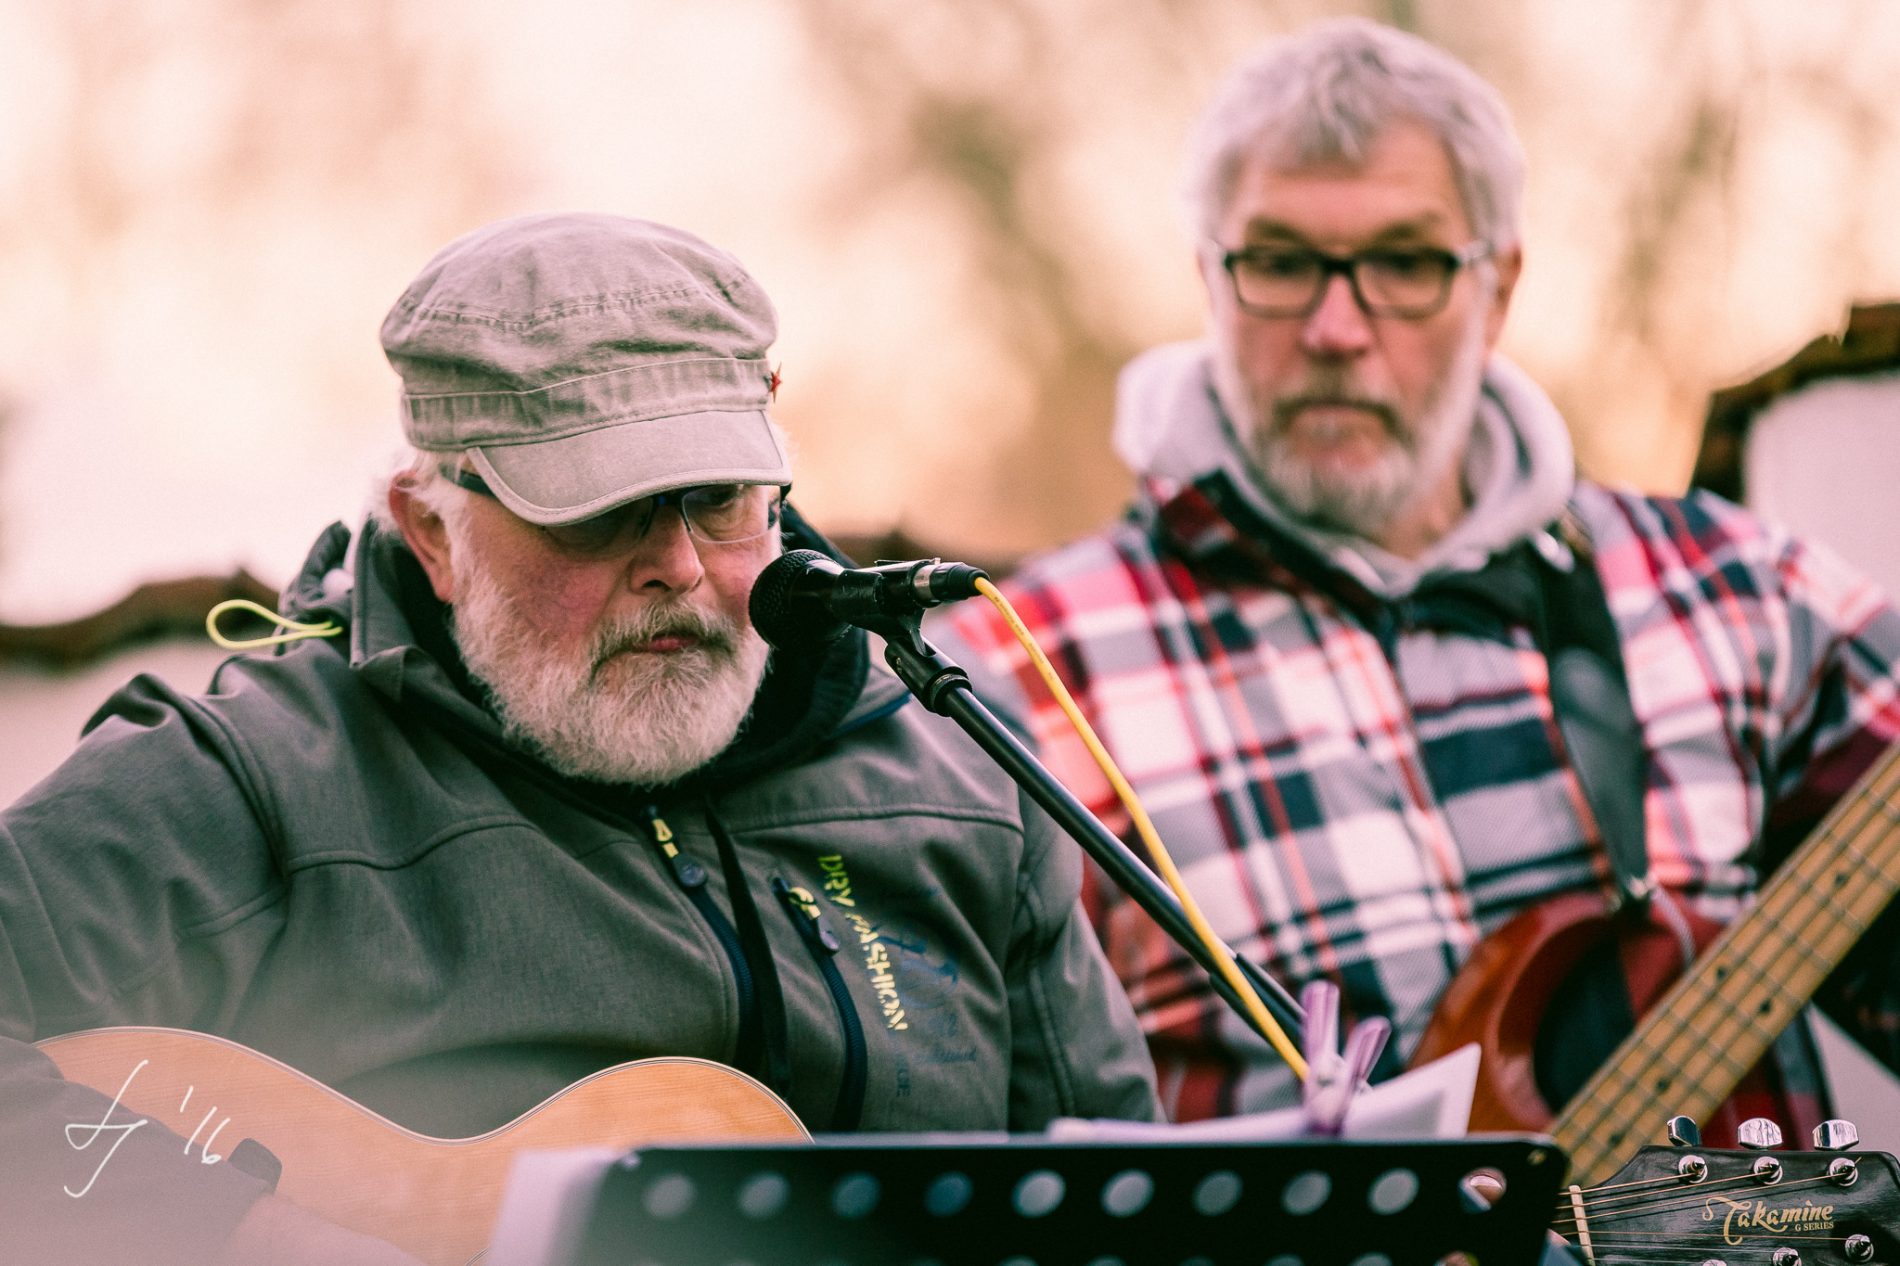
1410 282
714 514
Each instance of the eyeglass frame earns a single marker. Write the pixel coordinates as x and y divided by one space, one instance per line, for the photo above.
462 477
1347 266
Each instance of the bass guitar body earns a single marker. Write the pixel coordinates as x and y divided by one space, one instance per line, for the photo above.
1521 980
436 1198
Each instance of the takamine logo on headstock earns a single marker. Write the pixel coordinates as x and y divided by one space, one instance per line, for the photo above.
1746 1219
1751 1204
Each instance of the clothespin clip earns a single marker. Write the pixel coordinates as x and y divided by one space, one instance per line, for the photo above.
1333 1077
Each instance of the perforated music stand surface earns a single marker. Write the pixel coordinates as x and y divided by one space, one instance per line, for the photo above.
924 1201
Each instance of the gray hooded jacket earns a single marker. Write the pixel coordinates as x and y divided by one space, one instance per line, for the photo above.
333 857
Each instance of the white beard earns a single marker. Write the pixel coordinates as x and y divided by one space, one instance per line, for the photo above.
645 719
1413 465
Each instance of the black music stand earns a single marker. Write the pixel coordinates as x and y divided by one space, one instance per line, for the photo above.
932 1201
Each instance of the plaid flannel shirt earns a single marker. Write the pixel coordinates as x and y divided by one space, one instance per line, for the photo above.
1353 795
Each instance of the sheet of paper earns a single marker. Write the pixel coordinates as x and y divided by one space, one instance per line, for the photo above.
1429 1102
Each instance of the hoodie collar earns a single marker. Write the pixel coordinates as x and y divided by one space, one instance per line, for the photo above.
1170 429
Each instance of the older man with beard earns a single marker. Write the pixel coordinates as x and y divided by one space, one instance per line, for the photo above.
533 800
1321 643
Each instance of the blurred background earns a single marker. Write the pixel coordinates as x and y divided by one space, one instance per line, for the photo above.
965 209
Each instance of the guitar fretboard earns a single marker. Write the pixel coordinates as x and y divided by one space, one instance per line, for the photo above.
1693 1048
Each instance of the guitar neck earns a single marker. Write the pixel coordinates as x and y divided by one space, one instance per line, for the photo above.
1692 1049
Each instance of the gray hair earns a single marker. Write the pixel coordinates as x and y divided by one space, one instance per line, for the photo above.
420 473
1326 94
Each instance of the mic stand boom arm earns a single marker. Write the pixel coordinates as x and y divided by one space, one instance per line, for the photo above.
944 688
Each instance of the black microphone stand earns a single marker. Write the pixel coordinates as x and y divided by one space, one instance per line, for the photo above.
944 688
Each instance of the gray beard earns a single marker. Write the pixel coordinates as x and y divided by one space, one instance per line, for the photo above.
1413 466
601 715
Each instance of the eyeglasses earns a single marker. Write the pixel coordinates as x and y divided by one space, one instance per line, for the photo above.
714 514
1409 282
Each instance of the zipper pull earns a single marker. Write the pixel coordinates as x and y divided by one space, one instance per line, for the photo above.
812 926
686 872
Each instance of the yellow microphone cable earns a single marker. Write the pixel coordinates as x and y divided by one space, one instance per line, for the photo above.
1144 827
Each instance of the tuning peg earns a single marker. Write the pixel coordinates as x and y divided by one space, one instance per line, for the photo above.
1682 1132
1759 1133
1836 1136
1785 1256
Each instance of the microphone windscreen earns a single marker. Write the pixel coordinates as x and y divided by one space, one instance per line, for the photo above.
778 617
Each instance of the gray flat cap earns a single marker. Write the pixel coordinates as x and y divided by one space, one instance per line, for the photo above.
582 361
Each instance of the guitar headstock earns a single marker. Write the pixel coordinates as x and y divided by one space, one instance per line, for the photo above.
1720 1205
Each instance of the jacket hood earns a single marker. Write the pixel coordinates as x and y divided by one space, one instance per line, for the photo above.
1172 432
399 641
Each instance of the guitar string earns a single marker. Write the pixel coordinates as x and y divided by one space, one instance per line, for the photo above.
1714 1040
1692 1239
1625 1189
1839 836
1752 970
1837 839
1733 1027
1713 1044
1614 1215
1650 1189
1680 1199
1626 1258
1682 1238
1605 1233
1678 1236
1623 1256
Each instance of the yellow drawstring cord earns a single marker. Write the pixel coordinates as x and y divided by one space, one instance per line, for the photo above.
295 630
1223 957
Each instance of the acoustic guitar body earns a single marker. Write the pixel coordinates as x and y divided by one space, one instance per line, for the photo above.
436 1198
1503 1000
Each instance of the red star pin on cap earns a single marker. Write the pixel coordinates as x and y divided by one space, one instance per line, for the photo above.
771 384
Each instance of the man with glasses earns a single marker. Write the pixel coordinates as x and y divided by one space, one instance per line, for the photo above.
536 800
1321 643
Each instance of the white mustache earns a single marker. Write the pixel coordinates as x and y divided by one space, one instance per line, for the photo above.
1287 408
714 634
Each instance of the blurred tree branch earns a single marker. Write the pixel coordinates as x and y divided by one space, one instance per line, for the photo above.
980 100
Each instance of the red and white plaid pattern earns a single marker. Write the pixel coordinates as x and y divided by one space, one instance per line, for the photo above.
1367 816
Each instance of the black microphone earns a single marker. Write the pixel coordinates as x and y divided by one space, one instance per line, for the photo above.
804 600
